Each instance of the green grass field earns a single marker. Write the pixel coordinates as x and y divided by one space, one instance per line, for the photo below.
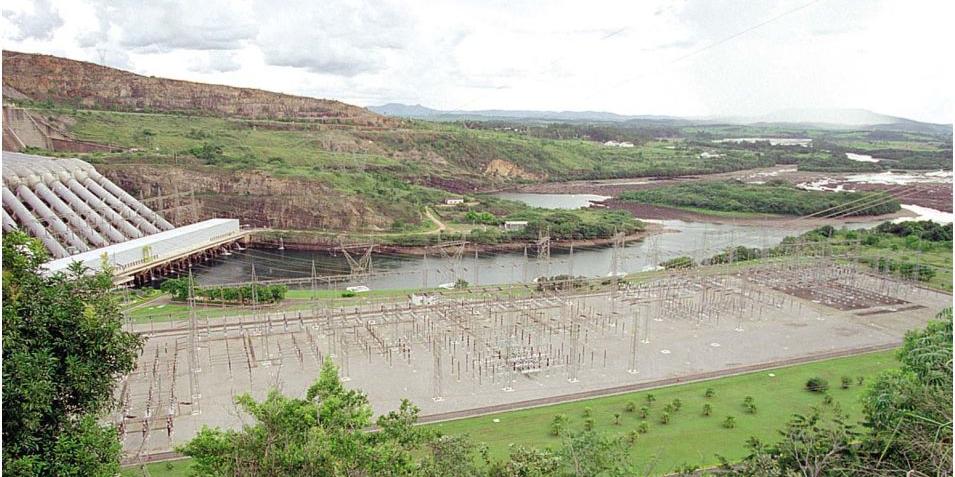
690 437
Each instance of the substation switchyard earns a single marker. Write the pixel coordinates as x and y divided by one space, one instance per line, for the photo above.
517 346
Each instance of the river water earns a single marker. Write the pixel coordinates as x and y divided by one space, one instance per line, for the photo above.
696 239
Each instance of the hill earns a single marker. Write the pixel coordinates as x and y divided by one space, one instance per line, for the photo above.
830 118
197 150
87 85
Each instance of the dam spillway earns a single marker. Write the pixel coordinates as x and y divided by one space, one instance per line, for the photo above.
81 216
70 207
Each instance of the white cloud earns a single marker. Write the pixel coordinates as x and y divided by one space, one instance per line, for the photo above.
38 21
680 57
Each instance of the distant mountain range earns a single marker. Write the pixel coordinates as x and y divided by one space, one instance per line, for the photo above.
819 118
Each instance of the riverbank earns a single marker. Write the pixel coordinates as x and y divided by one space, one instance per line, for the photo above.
928 189
658 212
321 242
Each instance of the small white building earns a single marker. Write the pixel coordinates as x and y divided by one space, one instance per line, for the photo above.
453 201
515 224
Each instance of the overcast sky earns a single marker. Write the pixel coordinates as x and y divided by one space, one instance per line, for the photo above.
687 58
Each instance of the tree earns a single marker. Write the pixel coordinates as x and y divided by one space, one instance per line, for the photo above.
909 410
591 454
665 417
63 349
558 424
707 409
729 422
644 412
817 385
710 393
650 399
322 434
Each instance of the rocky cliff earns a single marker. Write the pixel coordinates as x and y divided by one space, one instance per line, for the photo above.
43 77
185 195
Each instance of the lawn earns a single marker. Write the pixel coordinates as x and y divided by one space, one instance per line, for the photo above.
689 437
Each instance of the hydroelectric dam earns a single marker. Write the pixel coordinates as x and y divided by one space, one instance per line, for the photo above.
81 216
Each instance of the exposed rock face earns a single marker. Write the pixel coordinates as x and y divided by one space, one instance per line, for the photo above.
43 77
507 169
256 199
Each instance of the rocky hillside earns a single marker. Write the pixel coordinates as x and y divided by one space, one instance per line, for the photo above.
60 80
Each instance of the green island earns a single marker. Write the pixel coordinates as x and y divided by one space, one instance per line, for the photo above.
774 198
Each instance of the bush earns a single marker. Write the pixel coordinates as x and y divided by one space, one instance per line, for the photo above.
650 399
846 382
665 418
643 428
707 409
644 412
817 385
677 404
710 393
348 294
616 418
558 424
589 424
729 422
588 412
630 407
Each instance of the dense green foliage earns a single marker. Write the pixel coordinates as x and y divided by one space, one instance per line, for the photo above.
908 419
777 198
246 294
63 349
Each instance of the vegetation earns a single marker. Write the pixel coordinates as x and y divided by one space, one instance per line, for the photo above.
63 350
920 250
247 294
907 425
777 198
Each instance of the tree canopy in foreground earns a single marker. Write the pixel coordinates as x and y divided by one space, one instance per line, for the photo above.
63 349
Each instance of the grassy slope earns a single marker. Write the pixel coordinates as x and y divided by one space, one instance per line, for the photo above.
689 438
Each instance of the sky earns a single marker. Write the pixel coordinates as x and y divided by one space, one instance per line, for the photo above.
698 58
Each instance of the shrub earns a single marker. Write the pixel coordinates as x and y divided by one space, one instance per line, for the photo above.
710 393
589 424
828 400
588 412
643 428
668 408
558 424
630 407
707 409
616 418
665 418
751 408
846 382
748 400
817 385
860 380
644 412
729 422
632 437
348 294
677 404
650 399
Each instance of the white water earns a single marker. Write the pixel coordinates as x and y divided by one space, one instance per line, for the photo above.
861 157
925 213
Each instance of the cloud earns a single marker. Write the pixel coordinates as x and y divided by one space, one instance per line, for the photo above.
163 26
39 23
215 62
343 38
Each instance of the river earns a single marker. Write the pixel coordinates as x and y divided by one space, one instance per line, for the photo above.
696 239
